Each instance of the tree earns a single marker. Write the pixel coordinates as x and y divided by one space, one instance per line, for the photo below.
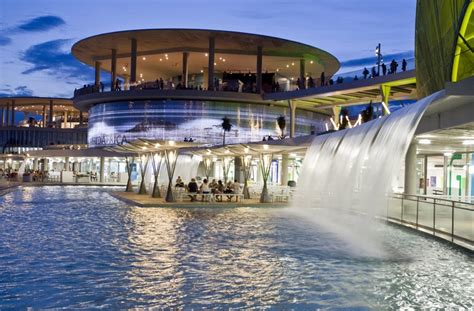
226 126
281 121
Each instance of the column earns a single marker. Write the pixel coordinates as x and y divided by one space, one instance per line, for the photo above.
210 70
97 73
81 118
7 117
385 94
284 169
65 120
336 110
292 107
238 169
410 170
184 79
44 115
66 163
302 74
113 69
50 116
13 113
259 69
133 61
101 169
35 164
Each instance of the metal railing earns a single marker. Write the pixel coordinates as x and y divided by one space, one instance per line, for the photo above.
448 219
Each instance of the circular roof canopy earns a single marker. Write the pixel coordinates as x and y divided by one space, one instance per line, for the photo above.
160 51
36 104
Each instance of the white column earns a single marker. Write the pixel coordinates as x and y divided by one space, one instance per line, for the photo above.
292 106
66 163
410 170
101 172
284 169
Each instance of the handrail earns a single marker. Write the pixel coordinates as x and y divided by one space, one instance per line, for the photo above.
460 237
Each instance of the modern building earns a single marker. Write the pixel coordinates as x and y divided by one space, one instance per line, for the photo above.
180 83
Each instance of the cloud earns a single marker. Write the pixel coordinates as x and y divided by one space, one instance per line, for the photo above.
41 23
50 57
5 40
370 61
21 90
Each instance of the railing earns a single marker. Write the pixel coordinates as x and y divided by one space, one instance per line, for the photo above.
448 219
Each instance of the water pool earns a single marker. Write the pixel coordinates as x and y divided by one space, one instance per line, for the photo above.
79 247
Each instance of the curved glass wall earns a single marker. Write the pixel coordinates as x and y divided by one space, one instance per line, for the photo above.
117 122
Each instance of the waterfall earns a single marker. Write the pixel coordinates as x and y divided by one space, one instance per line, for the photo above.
347 175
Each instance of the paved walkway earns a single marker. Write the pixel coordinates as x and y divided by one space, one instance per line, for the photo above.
145 200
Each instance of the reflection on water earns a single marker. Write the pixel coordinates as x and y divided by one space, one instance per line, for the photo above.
80 248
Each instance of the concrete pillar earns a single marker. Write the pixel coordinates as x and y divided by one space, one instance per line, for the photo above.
44 115
51 111
81 118
65 119
97 73
284 169
35 164
8 114
102 169
336 110
238 170
259 69
210 70
292 107
13 113
467 184
133 61
113 69
445 174
302 73
66 163
385 94
410 170
184 80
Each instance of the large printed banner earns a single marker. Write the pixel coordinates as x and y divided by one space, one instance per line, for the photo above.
118 122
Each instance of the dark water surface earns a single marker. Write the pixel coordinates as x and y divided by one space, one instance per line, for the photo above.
79 247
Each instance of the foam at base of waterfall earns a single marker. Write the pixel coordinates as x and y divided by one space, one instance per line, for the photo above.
347 174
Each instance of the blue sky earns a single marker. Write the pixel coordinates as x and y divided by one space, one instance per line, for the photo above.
36 35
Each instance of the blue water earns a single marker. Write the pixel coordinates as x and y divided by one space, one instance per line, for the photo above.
78 247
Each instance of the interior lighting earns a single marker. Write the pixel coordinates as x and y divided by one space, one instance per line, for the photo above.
205 54
223 60
215 64
278 69
287 66
265 147
161 59
202 71
468 142
227 151
172 143
246 150
157 145
293 155
144 58
220 58
292 64
311 61
424 141
448 154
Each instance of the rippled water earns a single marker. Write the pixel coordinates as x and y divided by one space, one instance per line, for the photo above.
81 248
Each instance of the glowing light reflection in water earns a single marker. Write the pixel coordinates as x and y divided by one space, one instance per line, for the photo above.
80 248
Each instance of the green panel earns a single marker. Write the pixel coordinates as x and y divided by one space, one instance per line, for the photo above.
437 26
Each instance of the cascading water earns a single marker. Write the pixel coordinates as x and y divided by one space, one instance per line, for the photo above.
347 175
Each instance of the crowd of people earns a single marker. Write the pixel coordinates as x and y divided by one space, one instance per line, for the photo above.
216 187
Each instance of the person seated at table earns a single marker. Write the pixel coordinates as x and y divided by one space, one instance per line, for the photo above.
193 189
236 189
204 188
213 184
179 182
219 190
228 189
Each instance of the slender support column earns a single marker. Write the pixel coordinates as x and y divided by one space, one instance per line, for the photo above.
44 115
265 165
50 116
157 160
129 187
425 175
336 110
410 170
66 164
143 169
35 164
259 69
302 74
385 94
171 157
184 79
97 73
81 118
102 169
13 113
7 117
210 70
292 107
133 61
65 120
445 175
113 69
284 169
238 169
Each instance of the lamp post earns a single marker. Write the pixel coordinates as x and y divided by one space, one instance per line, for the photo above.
378 53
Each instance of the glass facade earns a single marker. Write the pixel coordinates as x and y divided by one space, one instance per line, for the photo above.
118 122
